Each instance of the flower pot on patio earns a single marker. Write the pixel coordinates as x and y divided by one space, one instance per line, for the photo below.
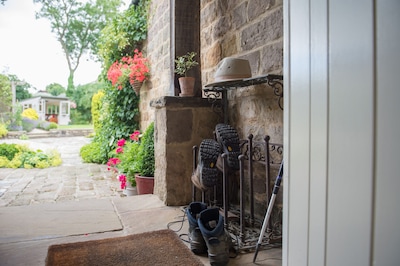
130 190
144 184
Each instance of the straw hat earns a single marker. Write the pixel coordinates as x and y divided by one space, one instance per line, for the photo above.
231 69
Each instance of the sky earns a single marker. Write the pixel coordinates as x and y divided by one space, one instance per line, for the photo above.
29 50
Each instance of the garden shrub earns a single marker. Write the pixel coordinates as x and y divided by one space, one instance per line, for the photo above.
90 153
30 113
29 124
8 150
16 120
146 152
20 156
45 125
3 130
96 108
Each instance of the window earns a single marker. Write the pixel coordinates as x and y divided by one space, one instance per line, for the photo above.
64 108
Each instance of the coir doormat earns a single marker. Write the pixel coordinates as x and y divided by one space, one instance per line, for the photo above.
162 247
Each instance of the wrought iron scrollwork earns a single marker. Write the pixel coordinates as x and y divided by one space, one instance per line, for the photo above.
274 81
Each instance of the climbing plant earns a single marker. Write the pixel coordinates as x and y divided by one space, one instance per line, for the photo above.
119 108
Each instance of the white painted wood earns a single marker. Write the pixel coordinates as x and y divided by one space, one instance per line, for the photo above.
387 182
299 113
286 138
318 130
350 154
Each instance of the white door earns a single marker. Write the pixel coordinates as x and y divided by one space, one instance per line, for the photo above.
341 131
64 114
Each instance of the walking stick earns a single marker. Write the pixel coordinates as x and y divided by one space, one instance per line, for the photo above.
269 210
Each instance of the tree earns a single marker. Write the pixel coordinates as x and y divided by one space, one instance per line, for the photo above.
55 89
21 88
82 96
77 26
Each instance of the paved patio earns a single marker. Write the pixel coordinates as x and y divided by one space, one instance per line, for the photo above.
78 202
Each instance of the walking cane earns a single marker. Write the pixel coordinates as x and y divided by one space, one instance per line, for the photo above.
269 210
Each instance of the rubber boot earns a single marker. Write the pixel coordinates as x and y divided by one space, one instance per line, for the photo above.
196 240
217 239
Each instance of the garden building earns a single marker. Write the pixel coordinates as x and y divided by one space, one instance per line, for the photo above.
49 107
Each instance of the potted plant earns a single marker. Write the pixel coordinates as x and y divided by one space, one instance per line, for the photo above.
125 164
133 69
182 65
146 162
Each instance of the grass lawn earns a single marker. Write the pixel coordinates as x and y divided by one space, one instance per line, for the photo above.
75 126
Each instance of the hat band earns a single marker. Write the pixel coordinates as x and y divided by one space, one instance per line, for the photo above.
228 77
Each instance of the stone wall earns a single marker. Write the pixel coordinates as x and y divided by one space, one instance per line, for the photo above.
249 29
253 30
158 50
182 123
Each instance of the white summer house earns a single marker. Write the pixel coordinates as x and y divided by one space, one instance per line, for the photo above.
50 108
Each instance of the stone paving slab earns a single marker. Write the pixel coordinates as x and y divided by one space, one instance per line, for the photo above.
54 220
73 180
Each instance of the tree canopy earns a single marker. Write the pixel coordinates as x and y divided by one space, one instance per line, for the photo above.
55 89
77 26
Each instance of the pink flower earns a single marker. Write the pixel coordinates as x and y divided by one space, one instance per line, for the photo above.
119 150
135 136
122 179
134 69
121 142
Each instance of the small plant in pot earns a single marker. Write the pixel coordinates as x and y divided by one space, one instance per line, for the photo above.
182 65
146 162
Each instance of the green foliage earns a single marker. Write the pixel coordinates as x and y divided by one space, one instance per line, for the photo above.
30 113
123 34
77 26
184 63
55 89
90 153
82 96
129 161
119 111
18 156
3 130
45 125
8 150
16 120
145 157
96 108
21 88
119 118
29 124
5 94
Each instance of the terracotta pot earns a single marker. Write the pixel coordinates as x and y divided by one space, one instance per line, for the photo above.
187 86
144 184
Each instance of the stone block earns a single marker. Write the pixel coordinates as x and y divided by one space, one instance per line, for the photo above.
263 32
179 125
258 7
272 57
239 17
174 155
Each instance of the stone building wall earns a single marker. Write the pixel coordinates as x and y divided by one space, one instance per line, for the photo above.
252 30
249 29
158 50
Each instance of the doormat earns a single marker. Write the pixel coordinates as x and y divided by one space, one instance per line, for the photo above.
162 247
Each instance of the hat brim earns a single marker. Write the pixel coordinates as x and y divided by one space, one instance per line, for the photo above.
225 82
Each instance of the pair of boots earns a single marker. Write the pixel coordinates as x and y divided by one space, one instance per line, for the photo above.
207 233
209 158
